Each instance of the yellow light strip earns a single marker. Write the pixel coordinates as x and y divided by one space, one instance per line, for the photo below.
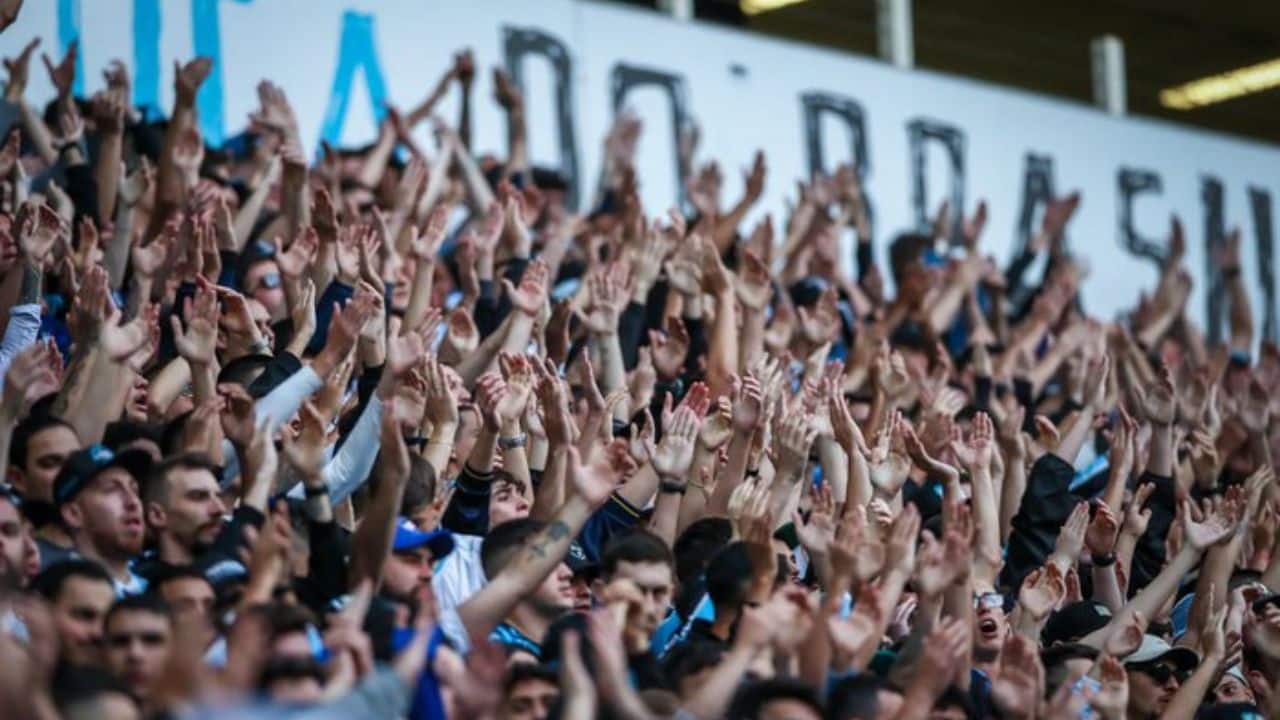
755 7
1224 86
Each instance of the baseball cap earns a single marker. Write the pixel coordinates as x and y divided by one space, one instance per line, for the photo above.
84 464
409 537
1074 621
1230 711
579 563
1154 648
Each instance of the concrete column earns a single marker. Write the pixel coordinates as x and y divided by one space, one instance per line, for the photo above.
894 32
1109 87
678 9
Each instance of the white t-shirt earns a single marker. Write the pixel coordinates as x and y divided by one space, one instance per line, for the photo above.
459 576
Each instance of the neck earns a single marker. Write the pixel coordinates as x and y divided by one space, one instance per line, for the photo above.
529 621
118 567
174 552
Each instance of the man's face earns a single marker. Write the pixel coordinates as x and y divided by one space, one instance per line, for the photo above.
407 571
654 581
992 627
137 648
192 510
507 501
555 595
108 513
787 709
190 597
13 545
46 451
77 614
529 699
262 283
1151 688
1231 689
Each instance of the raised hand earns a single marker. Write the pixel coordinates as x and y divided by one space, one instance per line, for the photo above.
1042 591
531 294
603 470
673 456
1019 688
792 443
1217 526
821 323
1100 537
197 342
1159 400
63 74
188 78
753 286
670 349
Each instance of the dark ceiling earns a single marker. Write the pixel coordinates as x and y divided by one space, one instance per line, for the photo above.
1043 45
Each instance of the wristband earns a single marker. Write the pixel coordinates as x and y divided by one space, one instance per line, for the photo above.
513 442
1231 273
1105 560
671 486
314 490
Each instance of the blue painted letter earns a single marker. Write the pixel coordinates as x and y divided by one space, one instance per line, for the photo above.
69 32
356 50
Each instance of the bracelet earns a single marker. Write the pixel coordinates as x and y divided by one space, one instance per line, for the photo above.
1231 273
672 486
513 442
314 491
1105 560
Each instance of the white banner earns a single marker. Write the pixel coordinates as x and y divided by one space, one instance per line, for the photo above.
920 136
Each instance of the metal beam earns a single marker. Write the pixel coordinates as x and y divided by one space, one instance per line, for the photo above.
1110 91
894 32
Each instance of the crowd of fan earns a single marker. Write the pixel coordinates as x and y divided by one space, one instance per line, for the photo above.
397 433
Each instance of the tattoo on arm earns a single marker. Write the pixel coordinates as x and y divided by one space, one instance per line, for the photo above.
554 533
32 284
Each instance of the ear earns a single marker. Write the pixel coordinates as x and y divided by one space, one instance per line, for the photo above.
17 479
72 517
155 515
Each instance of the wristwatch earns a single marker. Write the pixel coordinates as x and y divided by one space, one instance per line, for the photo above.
672 486
513 442
1104 560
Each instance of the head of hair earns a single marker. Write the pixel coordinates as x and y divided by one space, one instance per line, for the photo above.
420 490
906 249
855 697
520 672
243 370
27 429
156 486
168 573
688 658
76 691
290 668
701 540
729 576
50 580
122 432
149 602
286 618
503 541
502 477
752 697
636 546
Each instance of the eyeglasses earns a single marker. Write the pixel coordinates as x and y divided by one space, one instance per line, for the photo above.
988 601
1161 673
270 280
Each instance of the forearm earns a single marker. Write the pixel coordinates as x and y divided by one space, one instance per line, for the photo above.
1241 315
351 465
37 133
613 374
722 355
376 162
103 400
479 195
640 488
666 513
549 495
1015 485
115 252
735 469
371 542
1215 571
751 344
834 470
1191 693
514 460
440 447
481 457
1160 459
1126 544
517 143
249 212
419 294
694 503
474 364
985 516
712 699
1076 433
1106 587
106 171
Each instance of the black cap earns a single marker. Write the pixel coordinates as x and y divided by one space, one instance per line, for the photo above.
83 465
1074 621
579 563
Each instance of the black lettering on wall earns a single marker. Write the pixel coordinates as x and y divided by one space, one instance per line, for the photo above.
624 78
1260 204
1214 235
1131 183
1037 189
815 105
919 132
517 44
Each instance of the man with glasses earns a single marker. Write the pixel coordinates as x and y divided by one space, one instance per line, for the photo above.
1156 671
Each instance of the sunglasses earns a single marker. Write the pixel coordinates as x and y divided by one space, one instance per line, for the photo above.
1161 673
270 280
988 601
